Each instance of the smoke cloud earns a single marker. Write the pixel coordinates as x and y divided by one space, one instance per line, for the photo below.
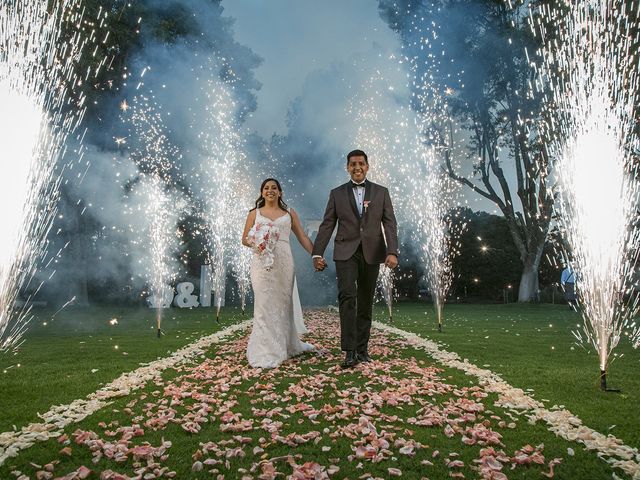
187 73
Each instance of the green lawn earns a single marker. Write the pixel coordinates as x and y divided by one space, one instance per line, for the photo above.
79 351
529 345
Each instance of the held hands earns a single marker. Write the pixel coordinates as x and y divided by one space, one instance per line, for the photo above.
391 261
319 263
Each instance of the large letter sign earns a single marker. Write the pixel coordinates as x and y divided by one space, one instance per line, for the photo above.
184 299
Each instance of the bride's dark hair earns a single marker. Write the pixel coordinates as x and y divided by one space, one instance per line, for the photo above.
261 201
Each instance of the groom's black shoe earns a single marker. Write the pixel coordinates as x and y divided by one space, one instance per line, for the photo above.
363 357
350 360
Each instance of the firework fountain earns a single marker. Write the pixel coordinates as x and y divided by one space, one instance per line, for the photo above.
159 235
383 130
416 148
432 227
434 192
223 172
409 153
240 257
241 270
245 193
591 71
38 113
385 285
154 158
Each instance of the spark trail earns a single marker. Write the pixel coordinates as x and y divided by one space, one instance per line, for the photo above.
223 176
155 156
433 191
590 68
383 130
409 151
240 256
39 111
429 193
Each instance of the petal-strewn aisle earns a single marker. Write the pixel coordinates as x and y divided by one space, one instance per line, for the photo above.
399 416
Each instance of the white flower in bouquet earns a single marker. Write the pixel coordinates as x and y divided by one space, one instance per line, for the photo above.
263 237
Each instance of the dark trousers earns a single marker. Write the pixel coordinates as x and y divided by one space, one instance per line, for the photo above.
356 287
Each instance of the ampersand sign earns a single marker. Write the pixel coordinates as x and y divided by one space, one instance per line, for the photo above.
184 299
161 300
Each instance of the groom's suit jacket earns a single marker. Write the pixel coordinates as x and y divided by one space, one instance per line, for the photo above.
354 229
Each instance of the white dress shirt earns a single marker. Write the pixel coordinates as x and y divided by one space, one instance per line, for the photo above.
358 193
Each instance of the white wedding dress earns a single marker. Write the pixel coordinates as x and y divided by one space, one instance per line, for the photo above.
277 324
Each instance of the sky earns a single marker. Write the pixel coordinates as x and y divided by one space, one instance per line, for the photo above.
296 38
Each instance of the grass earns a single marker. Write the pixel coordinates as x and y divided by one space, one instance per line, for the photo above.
531 347
79 351
515 341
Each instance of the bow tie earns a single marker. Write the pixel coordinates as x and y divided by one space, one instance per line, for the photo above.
354 184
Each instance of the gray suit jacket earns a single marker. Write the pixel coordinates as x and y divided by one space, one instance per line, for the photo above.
354 230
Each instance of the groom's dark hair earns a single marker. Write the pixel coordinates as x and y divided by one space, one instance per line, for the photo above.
357 153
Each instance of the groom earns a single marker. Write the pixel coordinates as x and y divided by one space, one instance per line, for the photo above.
362 210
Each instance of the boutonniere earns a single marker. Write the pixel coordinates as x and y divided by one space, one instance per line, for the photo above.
366 205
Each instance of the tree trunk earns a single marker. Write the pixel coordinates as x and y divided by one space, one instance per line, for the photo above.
529 286
528 291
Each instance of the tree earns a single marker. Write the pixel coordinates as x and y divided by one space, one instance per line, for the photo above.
488 260
110 29
486 74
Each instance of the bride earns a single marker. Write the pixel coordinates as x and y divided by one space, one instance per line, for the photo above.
275 333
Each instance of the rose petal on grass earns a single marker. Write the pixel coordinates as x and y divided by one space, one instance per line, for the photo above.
308 471
408 450
83 472
552 464
66 451
333 469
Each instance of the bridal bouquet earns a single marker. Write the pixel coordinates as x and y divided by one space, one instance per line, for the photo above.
263 237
